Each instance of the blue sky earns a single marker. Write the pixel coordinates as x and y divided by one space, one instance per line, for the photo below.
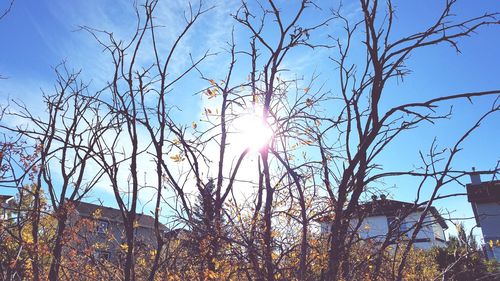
38 35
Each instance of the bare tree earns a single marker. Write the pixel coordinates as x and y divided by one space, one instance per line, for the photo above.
138 102
315 163
63 141
366 130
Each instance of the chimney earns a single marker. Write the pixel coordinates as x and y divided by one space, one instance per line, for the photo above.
475 178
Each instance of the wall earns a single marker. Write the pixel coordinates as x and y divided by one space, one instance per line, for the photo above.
489 218
114 237
377 227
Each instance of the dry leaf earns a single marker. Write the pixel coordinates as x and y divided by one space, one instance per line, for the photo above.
176 158
211 94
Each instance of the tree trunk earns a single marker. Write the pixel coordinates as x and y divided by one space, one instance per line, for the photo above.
58 245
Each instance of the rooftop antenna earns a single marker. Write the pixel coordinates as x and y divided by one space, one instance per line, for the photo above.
475 177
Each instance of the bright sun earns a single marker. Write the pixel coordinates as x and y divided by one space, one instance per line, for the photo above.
252 131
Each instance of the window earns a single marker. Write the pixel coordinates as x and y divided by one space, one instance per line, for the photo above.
438 232
404 227
103 255
392 222
398 227
422 240
102 227
326 227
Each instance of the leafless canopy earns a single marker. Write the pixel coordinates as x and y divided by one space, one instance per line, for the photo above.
235 214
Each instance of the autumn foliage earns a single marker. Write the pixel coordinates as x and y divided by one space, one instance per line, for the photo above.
229 200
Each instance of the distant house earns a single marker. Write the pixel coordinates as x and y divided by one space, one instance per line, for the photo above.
109 231
485 200
376 219
6 202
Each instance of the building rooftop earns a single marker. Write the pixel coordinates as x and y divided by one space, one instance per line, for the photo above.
88 209
484 192
389 208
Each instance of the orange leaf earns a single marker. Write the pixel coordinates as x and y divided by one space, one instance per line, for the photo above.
211 94
176 158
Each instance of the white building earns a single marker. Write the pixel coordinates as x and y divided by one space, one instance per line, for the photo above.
6 203
485 200
383 216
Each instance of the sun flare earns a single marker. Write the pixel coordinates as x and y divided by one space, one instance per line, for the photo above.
252 131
